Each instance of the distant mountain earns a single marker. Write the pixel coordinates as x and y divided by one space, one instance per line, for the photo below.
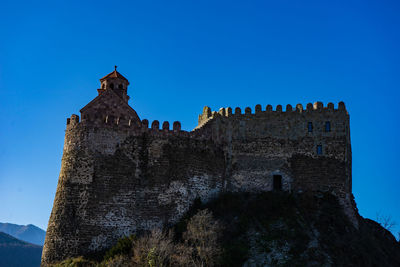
16 253
29 233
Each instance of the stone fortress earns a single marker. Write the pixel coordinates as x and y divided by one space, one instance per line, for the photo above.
119 175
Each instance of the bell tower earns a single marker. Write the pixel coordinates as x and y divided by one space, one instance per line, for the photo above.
116 82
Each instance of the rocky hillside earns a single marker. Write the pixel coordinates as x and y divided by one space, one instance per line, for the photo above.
277 229
15 253
267 229
28 233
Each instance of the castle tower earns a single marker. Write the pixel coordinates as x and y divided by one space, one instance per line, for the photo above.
111 104
117 82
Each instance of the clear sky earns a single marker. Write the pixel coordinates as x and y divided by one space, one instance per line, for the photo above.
182 55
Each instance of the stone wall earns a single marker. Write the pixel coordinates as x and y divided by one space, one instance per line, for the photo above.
267 143
117 179
114 183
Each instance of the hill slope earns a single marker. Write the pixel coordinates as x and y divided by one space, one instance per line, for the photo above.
29 233
278 229
265 229
14 252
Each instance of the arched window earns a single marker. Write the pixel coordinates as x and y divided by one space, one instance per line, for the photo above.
112 86
121 86
277 183
103 86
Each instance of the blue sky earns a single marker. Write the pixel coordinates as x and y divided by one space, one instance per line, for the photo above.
182 55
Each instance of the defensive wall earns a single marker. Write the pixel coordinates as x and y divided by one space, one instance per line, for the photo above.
309 148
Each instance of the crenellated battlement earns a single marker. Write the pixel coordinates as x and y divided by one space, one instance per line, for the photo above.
315 121
101 120
292 123
165 130
153 129
227 112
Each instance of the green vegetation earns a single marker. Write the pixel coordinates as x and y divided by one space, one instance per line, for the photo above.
123 247
270 228
76 262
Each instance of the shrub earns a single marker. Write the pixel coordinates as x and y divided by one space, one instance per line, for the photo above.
123 247
153 250
118 261
202 235
385 221
75 262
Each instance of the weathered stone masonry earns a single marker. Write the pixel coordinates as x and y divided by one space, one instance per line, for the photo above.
118 176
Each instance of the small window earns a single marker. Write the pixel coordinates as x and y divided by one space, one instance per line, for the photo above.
310 127
121 86
327 126
103 86
112 86
319 150
277 183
